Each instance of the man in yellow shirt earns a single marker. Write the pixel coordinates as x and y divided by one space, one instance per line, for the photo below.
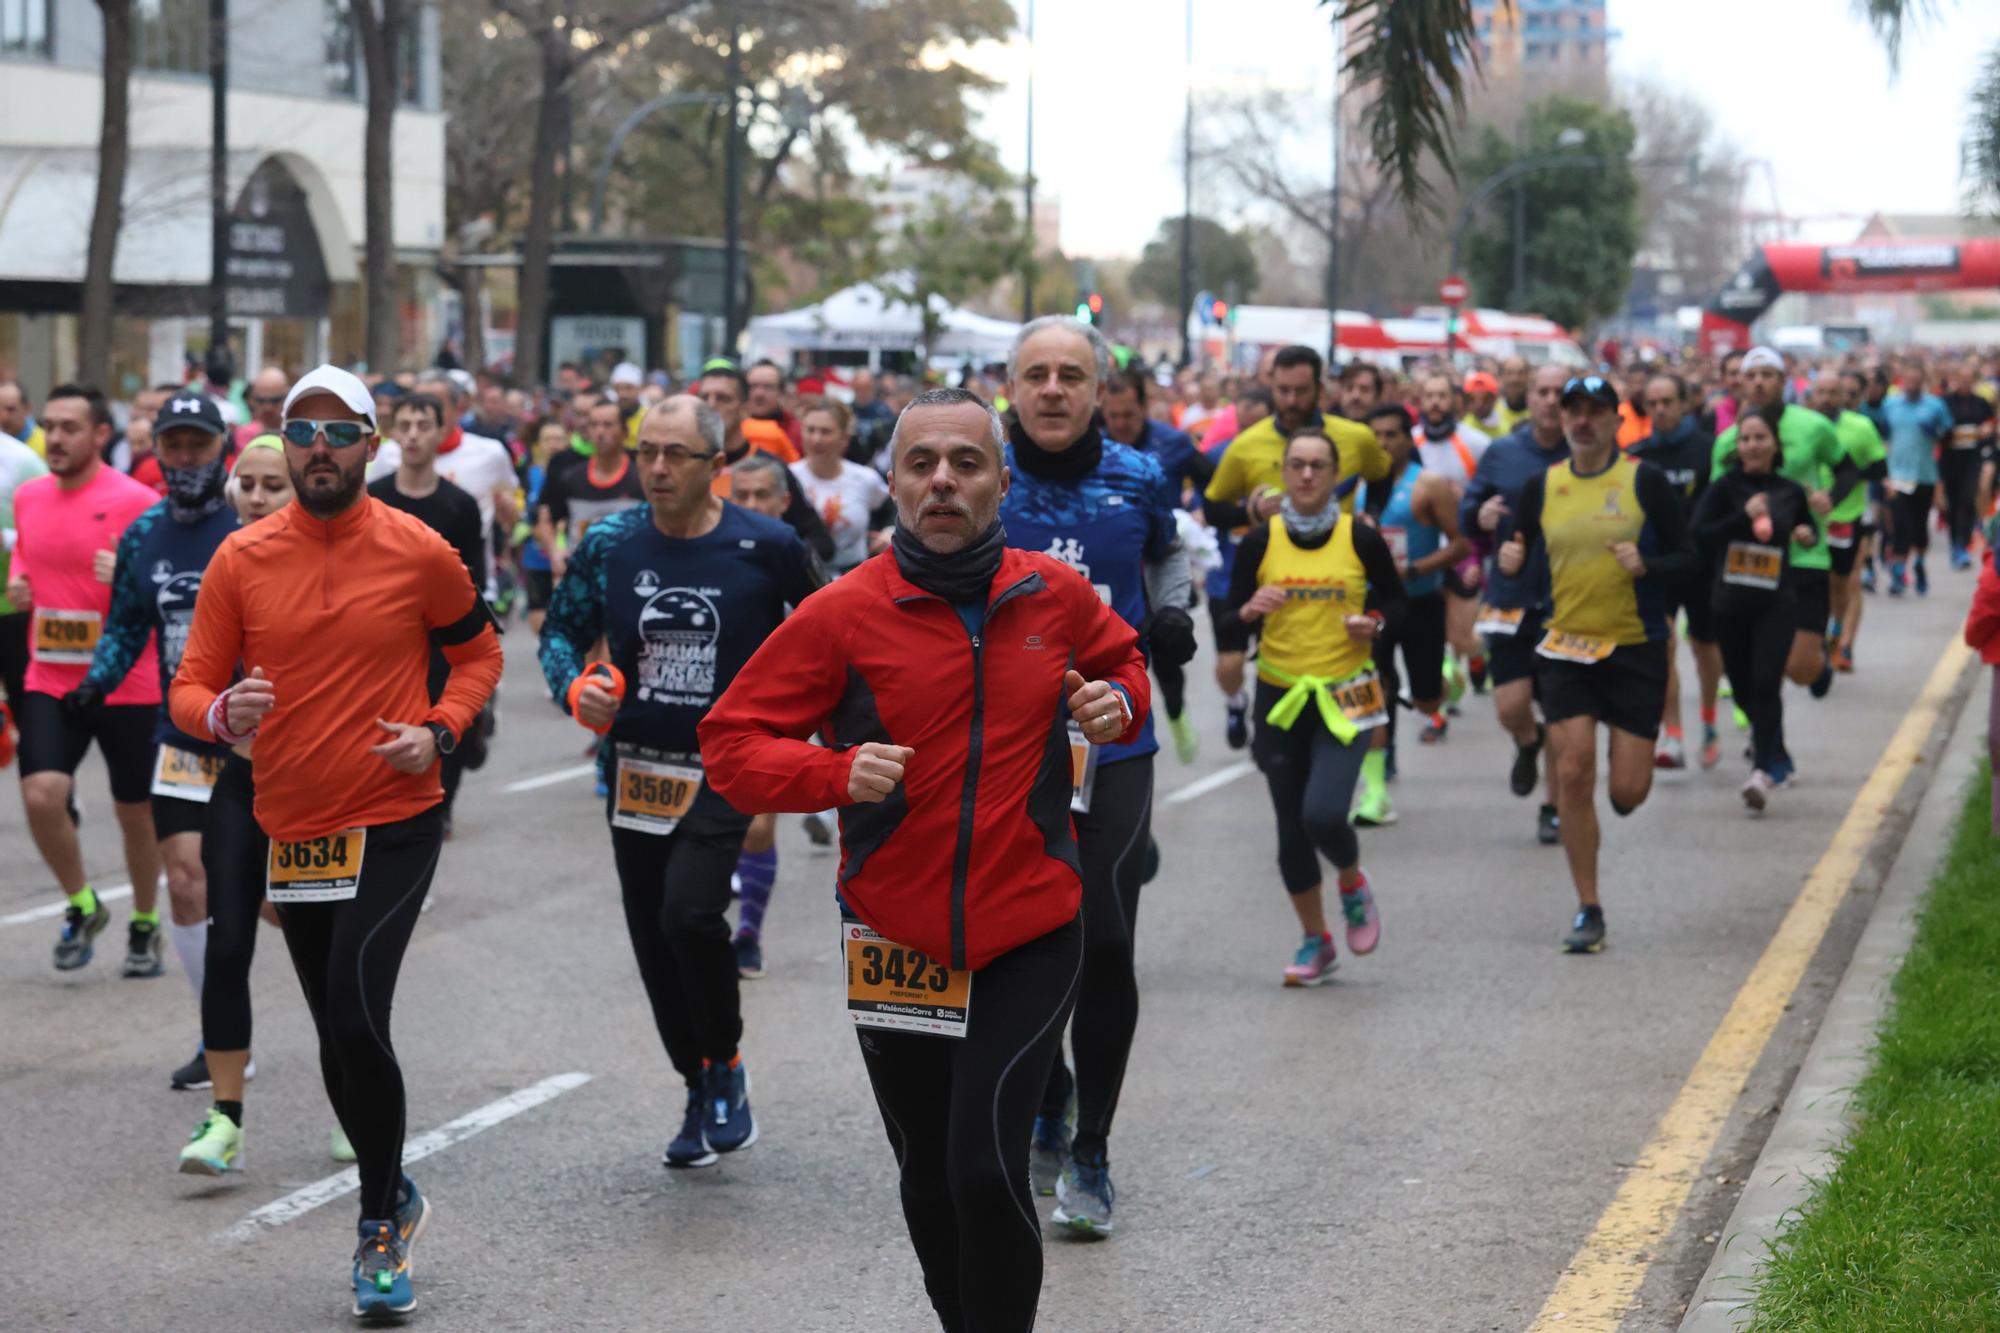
14 407
1248 481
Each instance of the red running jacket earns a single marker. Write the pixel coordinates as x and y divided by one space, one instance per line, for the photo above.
1982 623
974 854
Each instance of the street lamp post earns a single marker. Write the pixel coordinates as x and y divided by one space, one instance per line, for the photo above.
732 204
218 184
1028 182
624 130
1187 197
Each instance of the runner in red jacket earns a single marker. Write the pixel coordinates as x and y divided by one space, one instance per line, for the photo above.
945 676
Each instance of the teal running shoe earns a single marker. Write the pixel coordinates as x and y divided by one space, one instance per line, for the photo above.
382 1272
214 1147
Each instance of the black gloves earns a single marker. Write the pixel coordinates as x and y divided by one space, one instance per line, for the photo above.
80 706
1170 633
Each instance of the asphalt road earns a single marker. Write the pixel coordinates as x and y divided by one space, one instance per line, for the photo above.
1421 1145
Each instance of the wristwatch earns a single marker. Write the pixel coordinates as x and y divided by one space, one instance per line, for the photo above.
446 742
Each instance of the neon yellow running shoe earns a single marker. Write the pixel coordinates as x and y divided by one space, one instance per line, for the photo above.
212 1149
343 1151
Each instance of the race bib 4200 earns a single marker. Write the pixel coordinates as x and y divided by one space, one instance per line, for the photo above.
66 638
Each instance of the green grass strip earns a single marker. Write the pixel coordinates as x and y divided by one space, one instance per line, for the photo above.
1905 1232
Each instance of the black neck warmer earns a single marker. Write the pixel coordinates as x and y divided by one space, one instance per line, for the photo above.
963 576
1071 464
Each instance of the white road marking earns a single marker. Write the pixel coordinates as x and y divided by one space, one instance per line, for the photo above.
550 779
303 1200
1201 787
49 910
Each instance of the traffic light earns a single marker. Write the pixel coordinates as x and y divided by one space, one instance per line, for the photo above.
1219 311
1096 304
1083 311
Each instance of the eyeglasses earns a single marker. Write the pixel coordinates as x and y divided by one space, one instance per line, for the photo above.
338 434
1590 384
1308 465
267 398
673 456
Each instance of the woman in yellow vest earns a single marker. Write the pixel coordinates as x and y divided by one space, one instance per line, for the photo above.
1319 587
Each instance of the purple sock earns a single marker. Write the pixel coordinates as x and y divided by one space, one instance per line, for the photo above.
755 873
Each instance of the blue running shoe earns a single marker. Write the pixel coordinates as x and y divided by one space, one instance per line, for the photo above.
413 1214
1083 1198
1922 578
382 1272
688 1148
77 942
1048 1151
726 1124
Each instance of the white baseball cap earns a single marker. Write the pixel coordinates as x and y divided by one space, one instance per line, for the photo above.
1762 358
342 384
627 373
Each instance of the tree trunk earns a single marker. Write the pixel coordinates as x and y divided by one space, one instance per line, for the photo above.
550 114
471 282
113 151
380 33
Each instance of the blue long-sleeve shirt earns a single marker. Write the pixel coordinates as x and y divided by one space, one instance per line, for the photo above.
1915 427
1505 470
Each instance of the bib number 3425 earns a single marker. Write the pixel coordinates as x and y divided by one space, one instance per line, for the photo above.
316 870
891 985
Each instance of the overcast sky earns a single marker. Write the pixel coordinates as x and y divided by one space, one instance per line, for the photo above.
1802 83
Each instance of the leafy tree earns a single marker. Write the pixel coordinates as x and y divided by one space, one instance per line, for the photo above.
955 250
1583 223
1982 142
1222 261
381 27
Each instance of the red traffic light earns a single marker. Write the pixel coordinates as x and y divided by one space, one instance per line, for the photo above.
1220 310
1096 304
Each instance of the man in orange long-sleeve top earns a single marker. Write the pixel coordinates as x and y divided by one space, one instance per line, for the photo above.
331 606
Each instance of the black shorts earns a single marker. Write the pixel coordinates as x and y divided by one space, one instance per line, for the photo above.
1421 639
541 586
1626 690
174 815
1457 586
1845 558
1693 598
1231 634
1511 657
1815 599
123 732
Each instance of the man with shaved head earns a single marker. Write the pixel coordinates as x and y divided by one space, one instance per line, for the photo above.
682 589
266 397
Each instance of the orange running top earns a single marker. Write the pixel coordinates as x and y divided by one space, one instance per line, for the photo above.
340 615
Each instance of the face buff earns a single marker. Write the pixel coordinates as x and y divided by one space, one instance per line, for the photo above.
193 493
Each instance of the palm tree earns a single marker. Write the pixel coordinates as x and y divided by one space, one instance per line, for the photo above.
1409 59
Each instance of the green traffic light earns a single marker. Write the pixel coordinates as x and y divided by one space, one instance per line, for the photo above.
1083 311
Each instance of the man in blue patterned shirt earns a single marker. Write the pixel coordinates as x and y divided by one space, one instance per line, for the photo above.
1107 511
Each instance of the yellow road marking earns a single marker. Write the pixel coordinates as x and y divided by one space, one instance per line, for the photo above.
1597 1287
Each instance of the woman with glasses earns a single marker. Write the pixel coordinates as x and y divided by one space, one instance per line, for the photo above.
1319 587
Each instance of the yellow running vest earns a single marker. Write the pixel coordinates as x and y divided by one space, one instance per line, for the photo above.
1593 596
1307 636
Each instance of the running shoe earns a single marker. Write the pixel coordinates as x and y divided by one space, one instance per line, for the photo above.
1476 668
1868 578
1670 757
213 1148
749 956
1374 811
1527 760
1083 1198
1586 931
726 1124
1237 732
1313 963
818 831
1843 659
381 1272
1454 680
1711 747
1436 729
1187 742
76 944
1740 718
142 950
1548 828
1922 579
192 1076
1822 682
1960 558
1048 1151
1364 923
688 1148
413 1214
1757 791
340 1147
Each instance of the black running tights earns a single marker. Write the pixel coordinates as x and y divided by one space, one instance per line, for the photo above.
960 1114
347 955
234 854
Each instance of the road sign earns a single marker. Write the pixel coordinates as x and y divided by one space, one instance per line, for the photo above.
1453 290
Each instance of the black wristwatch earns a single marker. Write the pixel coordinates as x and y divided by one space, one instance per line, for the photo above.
445 740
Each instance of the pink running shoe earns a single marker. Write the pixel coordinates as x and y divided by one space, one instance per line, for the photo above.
1364 923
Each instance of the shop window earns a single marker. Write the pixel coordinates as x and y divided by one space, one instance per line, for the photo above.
24 27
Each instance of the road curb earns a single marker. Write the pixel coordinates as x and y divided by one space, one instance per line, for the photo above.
1814 1121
